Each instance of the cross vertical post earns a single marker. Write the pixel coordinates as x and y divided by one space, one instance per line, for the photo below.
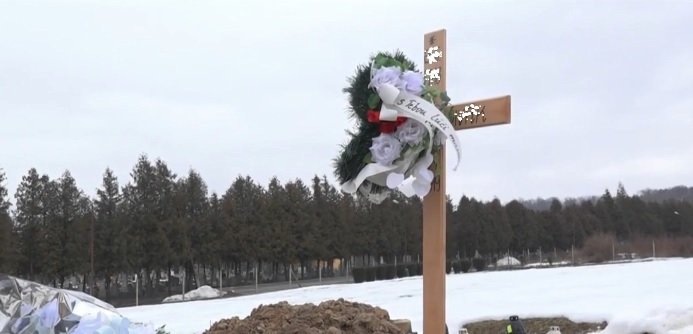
468 115
434 203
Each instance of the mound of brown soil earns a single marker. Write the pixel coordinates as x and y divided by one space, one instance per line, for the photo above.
535 325
330 317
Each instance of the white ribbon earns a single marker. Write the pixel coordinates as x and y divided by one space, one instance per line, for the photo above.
396 103
379 174
412 106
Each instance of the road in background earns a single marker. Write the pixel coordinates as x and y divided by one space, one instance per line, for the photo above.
279 286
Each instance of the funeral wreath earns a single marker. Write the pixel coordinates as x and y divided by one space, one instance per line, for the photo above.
401 124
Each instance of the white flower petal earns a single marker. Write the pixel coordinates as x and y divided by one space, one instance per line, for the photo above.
425 176
407 187
426 161
394 180
385 149
421 189
411 132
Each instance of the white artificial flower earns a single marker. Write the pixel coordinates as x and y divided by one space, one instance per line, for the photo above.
385 149
386 75
411 132
421 189
394 180
422 178
412 82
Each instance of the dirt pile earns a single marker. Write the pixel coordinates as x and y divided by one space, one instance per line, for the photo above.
330 317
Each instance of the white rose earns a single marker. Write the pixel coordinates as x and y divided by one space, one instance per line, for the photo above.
411 132
412 82
385 149
386 75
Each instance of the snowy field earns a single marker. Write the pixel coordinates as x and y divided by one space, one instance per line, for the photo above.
654 297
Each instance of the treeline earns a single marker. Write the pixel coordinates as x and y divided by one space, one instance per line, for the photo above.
158 222
678 193
491 228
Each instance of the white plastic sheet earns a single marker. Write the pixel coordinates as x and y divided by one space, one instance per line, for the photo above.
28 307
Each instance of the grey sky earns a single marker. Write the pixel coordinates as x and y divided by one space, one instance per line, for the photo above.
602 91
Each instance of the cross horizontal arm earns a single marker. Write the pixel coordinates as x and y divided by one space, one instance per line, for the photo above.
476 114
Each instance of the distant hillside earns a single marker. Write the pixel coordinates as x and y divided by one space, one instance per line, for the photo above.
678 193
538 204
544 204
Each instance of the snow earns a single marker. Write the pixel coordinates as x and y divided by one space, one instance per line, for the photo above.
508 261
654 296
546 264
203 292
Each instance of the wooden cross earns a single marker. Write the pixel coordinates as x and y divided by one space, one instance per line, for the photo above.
474 114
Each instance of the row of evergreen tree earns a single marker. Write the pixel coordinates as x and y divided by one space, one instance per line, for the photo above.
158 221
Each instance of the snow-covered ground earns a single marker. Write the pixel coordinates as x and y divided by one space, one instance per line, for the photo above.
203 292
546 264
654 297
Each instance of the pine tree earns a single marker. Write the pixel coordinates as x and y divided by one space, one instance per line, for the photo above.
488 235
85 225
160 250
109 243
466 227
623 215
558 227
673 218
348 216
503 231
302 224
64 215
245 242
4 202
524 227
30 216
574 225
147 247
545 235
590 219
215 219
278 229
606 212
365 238
385 221
6 240
684 216
336 248
193 208
451 242
329 224
230 234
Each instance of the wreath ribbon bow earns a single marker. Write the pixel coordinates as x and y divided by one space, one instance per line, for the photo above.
398 104
384 119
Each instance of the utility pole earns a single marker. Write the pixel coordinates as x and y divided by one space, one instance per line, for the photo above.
654 251
137 291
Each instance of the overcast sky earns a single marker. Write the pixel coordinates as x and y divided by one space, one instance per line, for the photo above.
602 92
